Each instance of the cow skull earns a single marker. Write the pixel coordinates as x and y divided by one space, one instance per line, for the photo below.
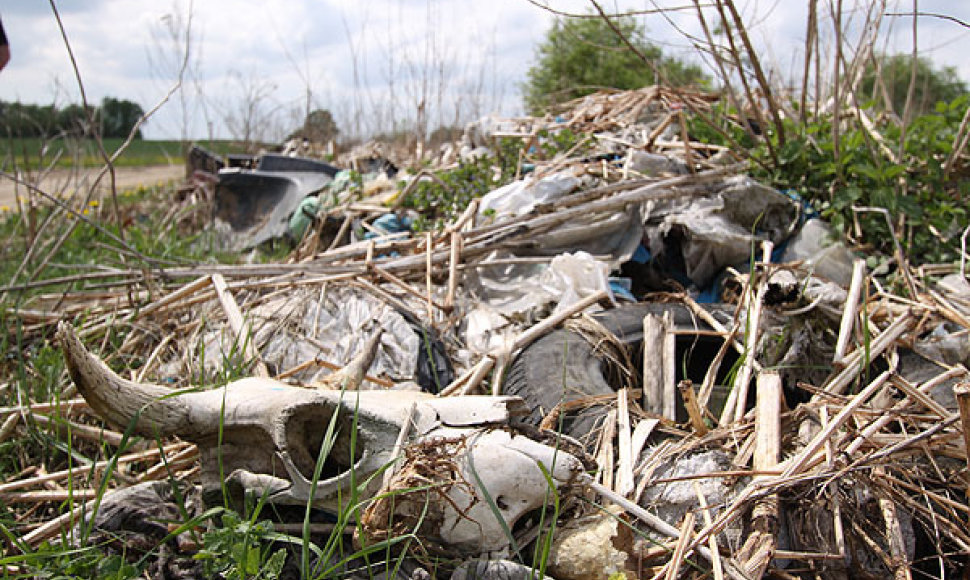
272 434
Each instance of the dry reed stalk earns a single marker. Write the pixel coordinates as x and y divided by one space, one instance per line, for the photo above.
81 470
850 311
894 535
152 358
429 287
349 218
605 454
334 367
168 466
88 432
53 527
694 412
758 549
962 393
49 495
9 426
454 248
409 289
625 484
754 302
683 540
799 462
838 528
242 331
654 330
959 144
640 435
717 568
402 437
699 311
65 408
856 361
669 363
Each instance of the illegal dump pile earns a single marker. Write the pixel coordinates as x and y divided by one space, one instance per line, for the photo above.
629 360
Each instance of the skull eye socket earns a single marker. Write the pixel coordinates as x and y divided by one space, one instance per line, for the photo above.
305 432
502 503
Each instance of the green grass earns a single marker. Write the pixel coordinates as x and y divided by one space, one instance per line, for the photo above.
34 152
151 227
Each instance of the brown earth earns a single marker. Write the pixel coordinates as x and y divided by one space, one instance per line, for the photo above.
67 181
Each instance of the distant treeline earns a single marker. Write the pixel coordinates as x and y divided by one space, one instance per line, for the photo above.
113 118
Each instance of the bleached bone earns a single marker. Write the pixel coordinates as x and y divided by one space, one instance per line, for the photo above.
271 434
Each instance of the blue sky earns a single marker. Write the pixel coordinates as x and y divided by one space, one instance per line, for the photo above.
371 62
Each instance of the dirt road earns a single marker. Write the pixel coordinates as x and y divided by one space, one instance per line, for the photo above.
67 181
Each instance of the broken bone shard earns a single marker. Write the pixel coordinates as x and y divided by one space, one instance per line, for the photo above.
592 547
452 487
273 433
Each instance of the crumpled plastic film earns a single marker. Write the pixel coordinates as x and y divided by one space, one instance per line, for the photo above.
719 229
511 295
333 327
520 197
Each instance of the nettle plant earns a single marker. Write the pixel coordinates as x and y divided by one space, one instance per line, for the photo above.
445 198
869 169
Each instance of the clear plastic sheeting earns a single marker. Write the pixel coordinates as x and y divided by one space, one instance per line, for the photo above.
653 164
522 196
720 229
957 290
332 325
516 293
822 251
613 238
486 330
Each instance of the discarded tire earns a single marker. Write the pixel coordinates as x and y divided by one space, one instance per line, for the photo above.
564 366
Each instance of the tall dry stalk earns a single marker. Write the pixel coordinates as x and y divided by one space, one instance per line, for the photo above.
51 248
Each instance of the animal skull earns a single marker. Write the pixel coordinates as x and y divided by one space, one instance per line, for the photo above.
272 434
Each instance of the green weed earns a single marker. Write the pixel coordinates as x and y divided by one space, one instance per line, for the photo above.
913 187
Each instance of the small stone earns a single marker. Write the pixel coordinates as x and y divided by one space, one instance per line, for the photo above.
591 548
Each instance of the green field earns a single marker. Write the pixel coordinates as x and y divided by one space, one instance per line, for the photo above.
33 152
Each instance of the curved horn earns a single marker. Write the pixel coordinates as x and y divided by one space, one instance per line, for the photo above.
118 400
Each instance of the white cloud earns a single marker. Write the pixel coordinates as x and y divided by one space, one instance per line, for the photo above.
482 49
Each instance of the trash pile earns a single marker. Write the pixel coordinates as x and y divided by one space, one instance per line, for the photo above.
631 360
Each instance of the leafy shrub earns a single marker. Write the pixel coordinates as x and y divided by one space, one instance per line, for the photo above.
924 204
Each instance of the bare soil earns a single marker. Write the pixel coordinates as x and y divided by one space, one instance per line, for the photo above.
67 181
